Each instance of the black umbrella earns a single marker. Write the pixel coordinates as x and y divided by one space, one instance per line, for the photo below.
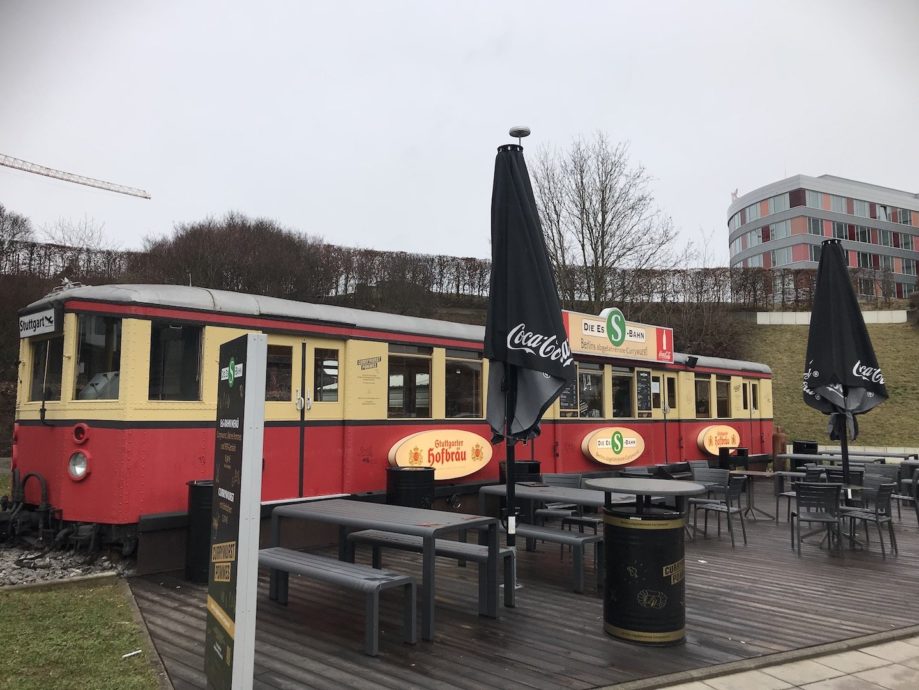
525 339
841 373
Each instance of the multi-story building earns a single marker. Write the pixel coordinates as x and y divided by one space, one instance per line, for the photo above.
782 226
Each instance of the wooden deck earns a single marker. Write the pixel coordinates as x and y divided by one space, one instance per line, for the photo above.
740 603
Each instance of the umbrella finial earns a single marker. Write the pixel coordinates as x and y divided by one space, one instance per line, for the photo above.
519 132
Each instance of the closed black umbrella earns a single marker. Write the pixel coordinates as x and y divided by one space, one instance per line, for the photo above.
525 339
842 377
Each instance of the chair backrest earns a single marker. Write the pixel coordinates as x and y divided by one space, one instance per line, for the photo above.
698 464
817 497
882 499
890 472
734 490
813 473
835 475
572 481
711 475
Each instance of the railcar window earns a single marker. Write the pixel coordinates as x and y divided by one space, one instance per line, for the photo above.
671 400
175 361
746 401
47 368
723 396
623 382
703 397
325 376
409 381
278 373
754 395
590 390
98 358
463 380
656 392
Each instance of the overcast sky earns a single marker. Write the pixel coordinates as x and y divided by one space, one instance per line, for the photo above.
375 124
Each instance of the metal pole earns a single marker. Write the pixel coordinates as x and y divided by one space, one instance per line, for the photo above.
510 409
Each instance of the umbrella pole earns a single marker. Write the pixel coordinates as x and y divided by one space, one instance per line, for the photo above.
844 436
510 410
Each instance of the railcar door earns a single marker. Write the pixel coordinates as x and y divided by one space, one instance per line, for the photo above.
752 405
285 409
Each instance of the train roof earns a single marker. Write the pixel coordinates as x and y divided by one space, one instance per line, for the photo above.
238 303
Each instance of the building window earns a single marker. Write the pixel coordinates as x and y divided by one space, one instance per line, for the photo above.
778 203
409 381
623 382
752 212
175 361
814 199
463 384
861 209
325 375
864 260
909 267
47 368
703 396
781 257
837 203
840 232
590 390
815 252
755 261
723 396
885 263
278 373
780 230
98 358
866 287
815 226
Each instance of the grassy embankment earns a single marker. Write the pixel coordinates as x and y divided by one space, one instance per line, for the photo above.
892 423
72 636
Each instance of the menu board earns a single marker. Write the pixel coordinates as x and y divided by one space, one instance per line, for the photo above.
568 398
643 388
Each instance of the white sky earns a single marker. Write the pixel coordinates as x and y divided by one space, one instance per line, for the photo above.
375 124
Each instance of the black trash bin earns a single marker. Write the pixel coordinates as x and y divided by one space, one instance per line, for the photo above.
412 487
724 458
643 596
524 471
198 535
804 447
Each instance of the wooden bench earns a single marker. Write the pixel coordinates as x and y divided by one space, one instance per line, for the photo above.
351 575
576 541
460 550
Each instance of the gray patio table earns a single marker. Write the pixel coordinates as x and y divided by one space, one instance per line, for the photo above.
647 488
428 524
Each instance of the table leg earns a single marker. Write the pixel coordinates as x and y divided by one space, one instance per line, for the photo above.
275 541
490 607
427 578
345 547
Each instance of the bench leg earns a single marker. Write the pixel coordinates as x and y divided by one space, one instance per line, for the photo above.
273 584
409 617
377 558
283 578
578 557
510 580
372 624
483 588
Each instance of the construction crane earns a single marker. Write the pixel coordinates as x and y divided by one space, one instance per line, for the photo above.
18 164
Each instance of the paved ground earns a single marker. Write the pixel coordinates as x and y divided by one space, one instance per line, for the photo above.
893 665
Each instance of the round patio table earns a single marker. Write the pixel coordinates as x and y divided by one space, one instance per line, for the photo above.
644 587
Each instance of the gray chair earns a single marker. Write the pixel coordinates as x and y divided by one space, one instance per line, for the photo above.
558 510
877 509
812 474
816 503
729 506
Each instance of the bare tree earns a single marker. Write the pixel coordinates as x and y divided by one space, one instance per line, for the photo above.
14 231
599 216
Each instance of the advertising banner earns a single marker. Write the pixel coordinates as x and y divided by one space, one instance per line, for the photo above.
230 630
610 335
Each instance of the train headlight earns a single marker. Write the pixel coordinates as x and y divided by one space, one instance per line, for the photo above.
78 466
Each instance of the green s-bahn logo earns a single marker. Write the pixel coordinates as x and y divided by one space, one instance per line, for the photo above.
231 374
616 442
615 327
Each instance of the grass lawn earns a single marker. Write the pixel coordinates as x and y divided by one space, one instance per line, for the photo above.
4 485
890 424
72 636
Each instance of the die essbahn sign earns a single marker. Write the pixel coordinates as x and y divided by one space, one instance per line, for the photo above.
613 445
610 335
452 453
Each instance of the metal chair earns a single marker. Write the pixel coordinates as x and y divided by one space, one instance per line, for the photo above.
835 475
556 509
877 510
812 474
816 503
729 505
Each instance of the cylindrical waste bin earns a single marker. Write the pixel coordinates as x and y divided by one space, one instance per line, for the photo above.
643 597
198 535
524 471
412 487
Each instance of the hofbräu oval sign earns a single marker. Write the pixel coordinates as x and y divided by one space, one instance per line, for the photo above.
613 445
711 438
452 453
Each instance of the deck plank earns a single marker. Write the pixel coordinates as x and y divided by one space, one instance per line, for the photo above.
750 601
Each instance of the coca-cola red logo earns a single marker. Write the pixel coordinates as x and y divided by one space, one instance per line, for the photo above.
872 374
540 345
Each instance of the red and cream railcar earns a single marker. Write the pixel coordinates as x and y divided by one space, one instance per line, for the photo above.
115 408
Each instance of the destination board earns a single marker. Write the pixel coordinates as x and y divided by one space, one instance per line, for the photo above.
643 390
